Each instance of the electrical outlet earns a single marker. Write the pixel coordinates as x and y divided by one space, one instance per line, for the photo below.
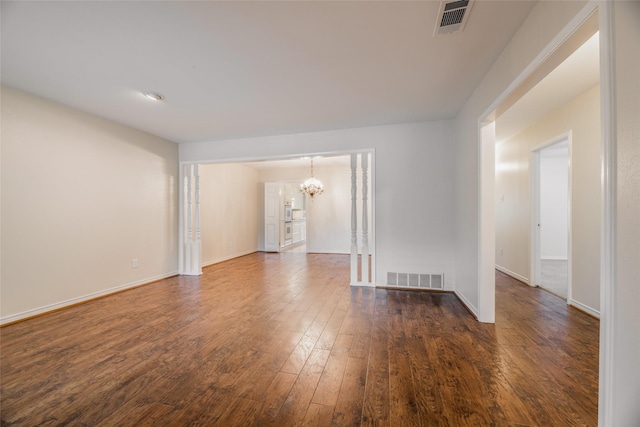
134 263
501 251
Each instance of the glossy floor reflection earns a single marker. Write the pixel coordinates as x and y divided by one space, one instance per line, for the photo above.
283 340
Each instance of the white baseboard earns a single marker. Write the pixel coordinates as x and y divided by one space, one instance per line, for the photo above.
512 274
554 258
227 258
62 304
585 308
364 285
328 251
472 308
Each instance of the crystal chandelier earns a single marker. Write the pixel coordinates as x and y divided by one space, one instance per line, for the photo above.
311 186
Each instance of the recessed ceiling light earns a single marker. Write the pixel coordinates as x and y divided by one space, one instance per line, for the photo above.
155 96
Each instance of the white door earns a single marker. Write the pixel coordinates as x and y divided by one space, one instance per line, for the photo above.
271 217
551 265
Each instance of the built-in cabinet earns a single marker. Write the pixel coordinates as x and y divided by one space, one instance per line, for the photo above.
298 231
292 195
291 205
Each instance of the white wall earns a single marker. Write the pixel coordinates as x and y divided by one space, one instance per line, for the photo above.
622 323
329 215
554 204
513 215
414 185
228 211
81 197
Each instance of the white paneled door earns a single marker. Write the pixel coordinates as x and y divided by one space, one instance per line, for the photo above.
271 217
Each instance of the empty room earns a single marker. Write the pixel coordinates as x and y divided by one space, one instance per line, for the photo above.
320 213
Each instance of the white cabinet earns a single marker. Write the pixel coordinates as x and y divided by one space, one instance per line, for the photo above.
296 235
291 194
282 227
298 231
298 198
287 192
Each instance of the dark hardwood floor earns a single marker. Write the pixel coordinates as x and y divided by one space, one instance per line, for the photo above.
282 340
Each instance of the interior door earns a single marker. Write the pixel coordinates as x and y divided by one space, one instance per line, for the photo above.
551 225
271 217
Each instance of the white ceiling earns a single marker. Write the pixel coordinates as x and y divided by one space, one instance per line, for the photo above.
239 69
301 162
574 76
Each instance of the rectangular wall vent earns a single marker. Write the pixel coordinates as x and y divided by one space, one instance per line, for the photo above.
452 17
416 280
403 280
425 280
392 279
436 281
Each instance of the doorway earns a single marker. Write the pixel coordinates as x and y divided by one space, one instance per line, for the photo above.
334 230
551 221
548 111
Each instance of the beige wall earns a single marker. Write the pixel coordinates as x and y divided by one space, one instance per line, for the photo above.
228 211
81 197
581 116
329 216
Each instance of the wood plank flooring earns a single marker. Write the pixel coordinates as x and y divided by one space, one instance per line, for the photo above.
282 340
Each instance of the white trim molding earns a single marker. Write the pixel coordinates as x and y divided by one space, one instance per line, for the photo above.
472 308
228 257
73 301
514 275
606 376
535 244
582 307
555 258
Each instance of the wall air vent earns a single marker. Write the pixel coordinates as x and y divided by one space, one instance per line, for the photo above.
416 280
452 17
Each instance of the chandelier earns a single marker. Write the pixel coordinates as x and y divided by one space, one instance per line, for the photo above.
311 186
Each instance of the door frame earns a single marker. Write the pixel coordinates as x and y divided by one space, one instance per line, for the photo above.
534 195
276 212
608 183
372 195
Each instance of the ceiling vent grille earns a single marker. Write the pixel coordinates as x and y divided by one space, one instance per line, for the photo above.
452 17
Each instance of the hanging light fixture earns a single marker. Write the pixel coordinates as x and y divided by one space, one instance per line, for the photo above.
311 186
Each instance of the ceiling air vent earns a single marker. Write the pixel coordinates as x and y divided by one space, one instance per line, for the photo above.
452 17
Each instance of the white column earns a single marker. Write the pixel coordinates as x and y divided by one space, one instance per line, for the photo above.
197 243
354 222
188 235
192 265
487 246
364 159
